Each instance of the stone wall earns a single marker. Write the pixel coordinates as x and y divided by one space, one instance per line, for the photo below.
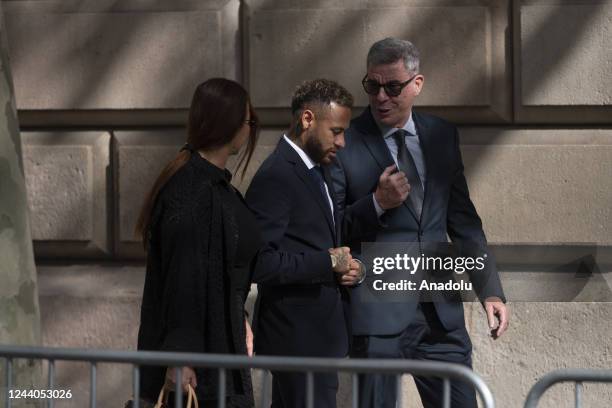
102 89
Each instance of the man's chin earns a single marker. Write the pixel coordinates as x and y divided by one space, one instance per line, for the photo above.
328 159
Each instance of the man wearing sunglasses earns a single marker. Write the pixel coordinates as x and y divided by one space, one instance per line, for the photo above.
400 179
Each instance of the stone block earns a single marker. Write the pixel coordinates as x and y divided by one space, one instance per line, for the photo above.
541 186
290 43
107 55
91 307
68 180
562 61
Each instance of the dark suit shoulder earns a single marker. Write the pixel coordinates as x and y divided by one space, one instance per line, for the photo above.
434 123
274 167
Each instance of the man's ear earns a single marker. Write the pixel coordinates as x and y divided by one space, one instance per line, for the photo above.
307 119
418 82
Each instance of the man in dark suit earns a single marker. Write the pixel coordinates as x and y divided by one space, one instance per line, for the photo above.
301 307
403 172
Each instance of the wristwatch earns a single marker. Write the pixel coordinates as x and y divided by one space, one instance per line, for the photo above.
334 260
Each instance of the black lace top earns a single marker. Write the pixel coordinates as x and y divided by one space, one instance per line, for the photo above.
201 243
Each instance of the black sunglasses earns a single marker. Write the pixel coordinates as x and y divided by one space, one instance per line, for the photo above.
392 88
252 123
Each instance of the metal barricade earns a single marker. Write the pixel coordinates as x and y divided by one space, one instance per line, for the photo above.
577 376
224 362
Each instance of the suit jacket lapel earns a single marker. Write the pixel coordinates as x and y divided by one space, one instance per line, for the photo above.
332 193
373 139
303 174
375 143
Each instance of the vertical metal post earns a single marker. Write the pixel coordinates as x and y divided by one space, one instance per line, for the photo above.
578 394
265 385
136 386
221 393
355 390
178 388
92 390
309 390
51 383
398 387
446 395
9 378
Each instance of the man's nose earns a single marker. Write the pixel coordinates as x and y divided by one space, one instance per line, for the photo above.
381 96
339 141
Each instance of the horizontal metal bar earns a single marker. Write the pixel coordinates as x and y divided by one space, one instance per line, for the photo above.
300 364
389 366
565 375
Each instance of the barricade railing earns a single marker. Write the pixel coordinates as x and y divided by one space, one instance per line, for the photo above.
576 375
224 362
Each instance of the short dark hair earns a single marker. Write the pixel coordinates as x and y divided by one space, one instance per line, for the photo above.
390 50
316 95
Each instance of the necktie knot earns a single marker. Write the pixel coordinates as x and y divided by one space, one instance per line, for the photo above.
400 134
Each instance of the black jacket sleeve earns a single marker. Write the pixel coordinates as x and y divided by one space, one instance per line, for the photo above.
359 218
270 202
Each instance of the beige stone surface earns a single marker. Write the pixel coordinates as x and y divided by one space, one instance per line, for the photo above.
561 61
19 307
119 57
543 337
463 60
566 53
541 186
67 179
97 307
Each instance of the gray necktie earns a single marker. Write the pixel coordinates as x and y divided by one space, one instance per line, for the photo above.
406 164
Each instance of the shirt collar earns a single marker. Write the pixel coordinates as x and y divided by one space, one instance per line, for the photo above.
307 160
409 126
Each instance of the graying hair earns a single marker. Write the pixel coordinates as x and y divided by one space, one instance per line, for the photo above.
390 50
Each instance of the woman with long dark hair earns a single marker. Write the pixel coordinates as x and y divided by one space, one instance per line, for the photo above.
200 240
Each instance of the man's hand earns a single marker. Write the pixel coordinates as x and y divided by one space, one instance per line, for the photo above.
249 338
354 275
497 315
188 376
392 189
342 259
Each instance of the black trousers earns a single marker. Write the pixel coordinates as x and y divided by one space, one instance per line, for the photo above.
289 390
424 339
